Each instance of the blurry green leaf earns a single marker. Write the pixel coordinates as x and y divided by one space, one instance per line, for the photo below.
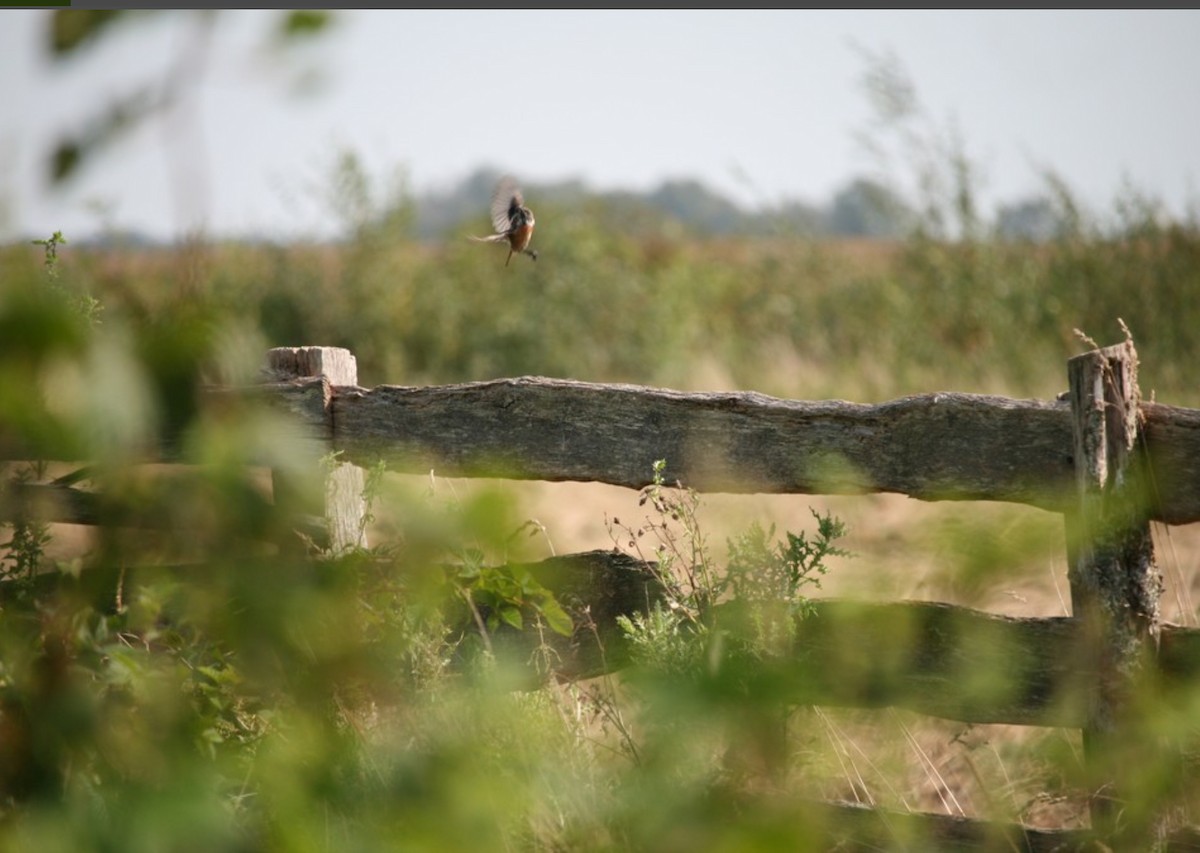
305 22
72 151
557 618
71 28
512 616
36 325
65 160
526 582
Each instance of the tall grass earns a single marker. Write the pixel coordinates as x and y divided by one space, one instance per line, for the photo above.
804 318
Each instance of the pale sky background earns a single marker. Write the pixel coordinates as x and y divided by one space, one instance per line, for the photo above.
763 106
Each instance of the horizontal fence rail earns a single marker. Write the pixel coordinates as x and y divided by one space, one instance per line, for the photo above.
945 446
939 659
930 447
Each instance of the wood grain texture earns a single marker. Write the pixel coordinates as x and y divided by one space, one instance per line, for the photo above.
932 447
1172 442
295 368
336 364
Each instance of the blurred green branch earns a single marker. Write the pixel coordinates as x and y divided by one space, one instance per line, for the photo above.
71 32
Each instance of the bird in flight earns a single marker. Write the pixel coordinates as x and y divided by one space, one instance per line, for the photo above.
512 220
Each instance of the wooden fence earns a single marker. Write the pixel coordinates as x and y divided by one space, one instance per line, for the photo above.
1107 460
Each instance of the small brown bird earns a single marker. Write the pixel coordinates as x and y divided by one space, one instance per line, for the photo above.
512 220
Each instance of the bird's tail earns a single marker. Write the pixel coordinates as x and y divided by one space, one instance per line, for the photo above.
491 238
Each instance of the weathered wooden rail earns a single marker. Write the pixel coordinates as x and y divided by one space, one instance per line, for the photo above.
931 446
1108 461
939 659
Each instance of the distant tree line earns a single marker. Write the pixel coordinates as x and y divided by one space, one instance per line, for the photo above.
862 208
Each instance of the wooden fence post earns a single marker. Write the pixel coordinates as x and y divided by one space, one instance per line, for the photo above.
1115 585
345 506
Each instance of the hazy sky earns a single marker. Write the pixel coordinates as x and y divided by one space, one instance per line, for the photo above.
764 106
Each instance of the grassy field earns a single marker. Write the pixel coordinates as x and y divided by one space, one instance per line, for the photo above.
285 702
858 320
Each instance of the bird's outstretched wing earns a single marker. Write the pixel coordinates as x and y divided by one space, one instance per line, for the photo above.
507 202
